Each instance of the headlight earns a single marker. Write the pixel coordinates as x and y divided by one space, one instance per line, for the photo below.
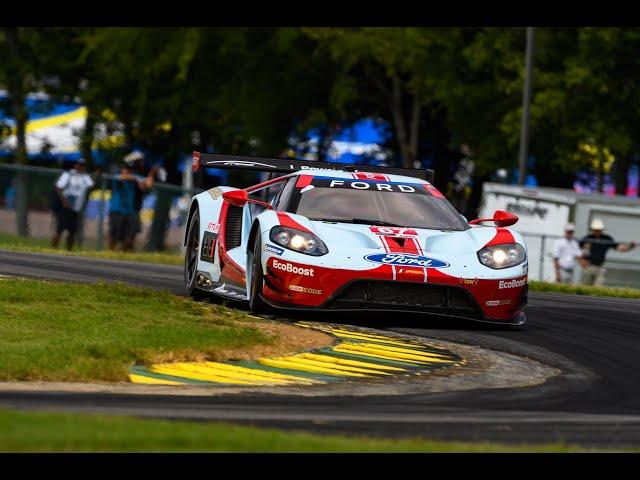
298 241
502 256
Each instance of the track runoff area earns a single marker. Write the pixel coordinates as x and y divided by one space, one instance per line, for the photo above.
591 341
357 355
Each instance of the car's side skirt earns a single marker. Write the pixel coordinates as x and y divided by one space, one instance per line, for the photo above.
221 289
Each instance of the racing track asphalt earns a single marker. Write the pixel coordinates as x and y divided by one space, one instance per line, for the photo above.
594 402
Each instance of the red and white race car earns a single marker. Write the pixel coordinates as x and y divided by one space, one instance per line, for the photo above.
329 237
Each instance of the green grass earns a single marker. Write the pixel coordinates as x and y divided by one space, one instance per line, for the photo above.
74 332
56 432
535 286
40 245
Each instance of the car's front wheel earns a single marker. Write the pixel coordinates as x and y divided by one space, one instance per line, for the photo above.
256 303
191 257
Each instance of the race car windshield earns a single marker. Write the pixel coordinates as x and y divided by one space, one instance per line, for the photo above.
379 208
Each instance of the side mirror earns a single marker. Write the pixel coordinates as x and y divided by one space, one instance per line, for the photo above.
500 218
239 198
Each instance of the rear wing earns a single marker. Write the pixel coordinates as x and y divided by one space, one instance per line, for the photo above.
284 165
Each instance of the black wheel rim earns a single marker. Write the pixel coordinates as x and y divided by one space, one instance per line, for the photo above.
255 280
191 263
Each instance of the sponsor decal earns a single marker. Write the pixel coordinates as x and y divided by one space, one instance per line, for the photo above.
406 260
368 185
195 162
512 283
290 268
496 303
396 232
213 227
469 282
412 271
527 211
208 251
370 176
238 163
215 193
273 249
301 289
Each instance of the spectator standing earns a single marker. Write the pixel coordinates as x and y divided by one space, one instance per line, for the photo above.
595 247
71 187
566 251
127 192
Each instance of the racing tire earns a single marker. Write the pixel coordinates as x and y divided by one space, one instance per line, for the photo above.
191 253
256 304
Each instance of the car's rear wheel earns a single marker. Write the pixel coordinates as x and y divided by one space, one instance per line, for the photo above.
191 257
256 303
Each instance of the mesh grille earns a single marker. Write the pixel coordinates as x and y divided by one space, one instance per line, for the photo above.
233 228
399 295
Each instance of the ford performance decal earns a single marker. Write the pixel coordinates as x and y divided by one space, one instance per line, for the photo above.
406 260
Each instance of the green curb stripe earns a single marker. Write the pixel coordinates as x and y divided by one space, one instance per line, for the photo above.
145 373
411 346
366 358
425 365
420 348
297 373
422 361
451 358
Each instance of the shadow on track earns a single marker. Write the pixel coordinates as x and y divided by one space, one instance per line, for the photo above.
379 319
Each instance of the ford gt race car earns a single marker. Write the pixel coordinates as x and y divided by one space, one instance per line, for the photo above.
335 238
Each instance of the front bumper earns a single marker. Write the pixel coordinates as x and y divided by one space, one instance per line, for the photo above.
298 286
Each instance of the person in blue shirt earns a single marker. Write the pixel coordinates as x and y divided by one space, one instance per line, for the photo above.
127 190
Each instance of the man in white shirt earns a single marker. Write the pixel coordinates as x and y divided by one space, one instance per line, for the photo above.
565 252
71 187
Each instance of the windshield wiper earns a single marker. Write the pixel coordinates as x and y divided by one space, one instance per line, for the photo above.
362 221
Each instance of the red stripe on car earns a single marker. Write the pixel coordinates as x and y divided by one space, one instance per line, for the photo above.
286 221
433 191
502 237
304 181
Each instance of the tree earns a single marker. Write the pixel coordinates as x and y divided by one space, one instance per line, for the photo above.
392 71
18 73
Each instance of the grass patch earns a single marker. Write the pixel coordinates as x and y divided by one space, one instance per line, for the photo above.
75 332
535 286
56 432
41 245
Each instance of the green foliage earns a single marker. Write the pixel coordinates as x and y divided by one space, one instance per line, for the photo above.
244 89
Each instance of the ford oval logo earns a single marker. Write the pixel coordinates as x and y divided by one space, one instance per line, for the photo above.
406 260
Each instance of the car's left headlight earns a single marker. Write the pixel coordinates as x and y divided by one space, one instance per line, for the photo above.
297 240
502 256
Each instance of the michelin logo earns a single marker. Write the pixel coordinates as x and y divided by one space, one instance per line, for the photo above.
273 249
290 268
512 283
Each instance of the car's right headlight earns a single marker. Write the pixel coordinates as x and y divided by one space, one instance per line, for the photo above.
502 256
